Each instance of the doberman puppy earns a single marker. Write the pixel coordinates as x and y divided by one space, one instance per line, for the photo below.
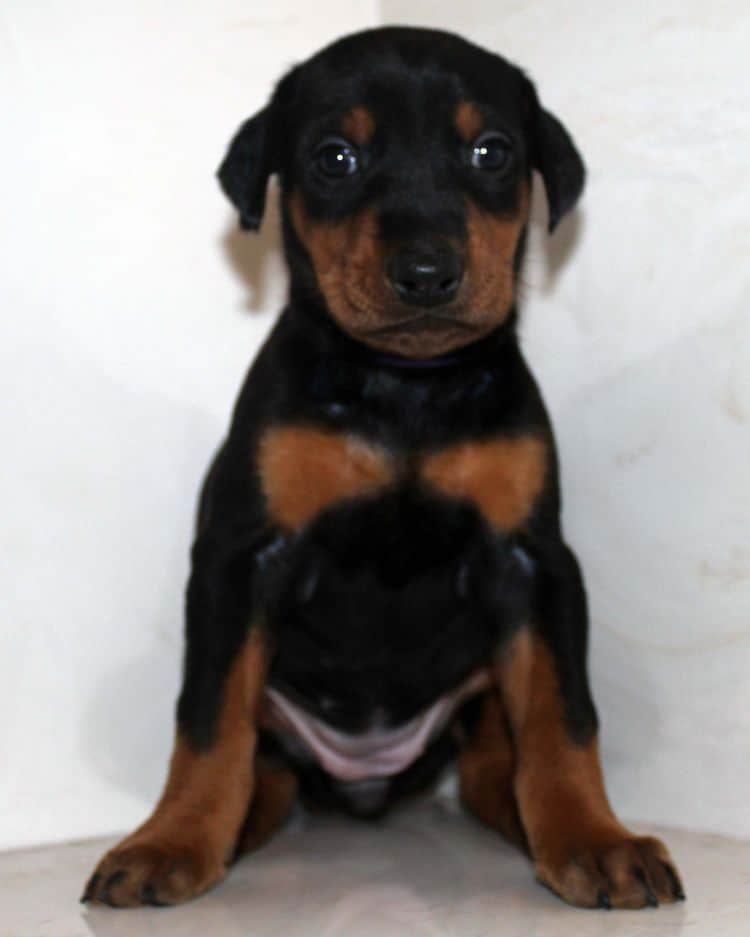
379 579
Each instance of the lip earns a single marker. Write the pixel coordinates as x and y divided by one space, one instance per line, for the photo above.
426 322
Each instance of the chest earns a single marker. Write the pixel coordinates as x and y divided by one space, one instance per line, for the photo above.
304 471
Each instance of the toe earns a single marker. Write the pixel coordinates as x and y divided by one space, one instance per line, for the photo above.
629 883
614 873
150 874
579 881
661 870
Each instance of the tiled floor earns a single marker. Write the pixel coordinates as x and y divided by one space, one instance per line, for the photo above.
427 872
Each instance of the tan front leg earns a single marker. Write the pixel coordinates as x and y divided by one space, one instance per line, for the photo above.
580 849
184 847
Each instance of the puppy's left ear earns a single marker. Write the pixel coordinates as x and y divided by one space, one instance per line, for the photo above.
244 173
554 154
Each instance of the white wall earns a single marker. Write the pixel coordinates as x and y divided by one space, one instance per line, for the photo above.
637 322
130 308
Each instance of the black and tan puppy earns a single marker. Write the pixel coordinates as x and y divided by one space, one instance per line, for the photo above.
379 580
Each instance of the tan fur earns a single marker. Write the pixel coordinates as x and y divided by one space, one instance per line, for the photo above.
274 794
502 477
358 126
490 253
469 121
486 768
580 848
349 263
304 470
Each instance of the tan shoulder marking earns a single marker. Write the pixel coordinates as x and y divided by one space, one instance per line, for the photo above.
502 477
305 470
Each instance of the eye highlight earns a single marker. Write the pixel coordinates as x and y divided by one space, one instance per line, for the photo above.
490 152
335 158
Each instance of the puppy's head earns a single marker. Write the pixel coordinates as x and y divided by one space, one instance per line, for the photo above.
405 159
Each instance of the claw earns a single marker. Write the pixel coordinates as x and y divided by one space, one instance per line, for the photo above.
148 896
90 888
674 881
651 900
603 900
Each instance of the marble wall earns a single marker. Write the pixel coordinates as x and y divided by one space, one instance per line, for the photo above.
131 306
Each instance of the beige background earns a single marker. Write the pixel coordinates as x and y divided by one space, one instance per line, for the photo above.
131 307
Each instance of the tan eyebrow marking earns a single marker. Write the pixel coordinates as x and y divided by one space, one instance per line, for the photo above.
358 126
469 121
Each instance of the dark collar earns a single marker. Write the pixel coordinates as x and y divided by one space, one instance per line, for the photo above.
469 354
381 360
482 350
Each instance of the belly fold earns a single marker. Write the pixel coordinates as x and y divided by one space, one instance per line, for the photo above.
378 752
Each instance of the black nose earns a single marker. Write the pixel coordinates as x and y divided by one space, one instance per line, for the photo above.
425 275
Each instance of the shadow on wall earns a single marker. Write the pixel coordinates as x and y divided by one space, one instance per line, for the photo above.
128 725
256 257
556 250
625 695
128 728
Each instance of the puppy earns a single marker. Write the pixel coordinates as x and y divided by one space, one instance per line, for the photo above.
379 580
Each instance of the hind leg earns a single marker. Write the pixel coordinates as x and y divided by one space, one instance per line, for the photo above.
275 792
486 767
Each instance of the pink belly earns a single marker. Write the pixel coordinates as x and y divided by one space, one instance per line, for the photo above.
376 753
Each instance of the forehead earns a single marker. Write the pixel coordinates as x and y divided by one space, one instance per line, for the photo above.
407 82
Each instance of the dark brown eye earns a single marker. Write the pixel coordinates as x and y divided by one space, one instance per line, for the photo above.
336 159
490 152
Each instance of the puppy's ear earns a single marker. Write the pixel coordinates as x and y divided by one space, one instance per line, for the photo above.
554 154
243 175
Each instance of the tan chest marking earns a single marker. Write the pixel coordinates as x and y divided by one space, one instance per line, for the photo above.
502 477
303 471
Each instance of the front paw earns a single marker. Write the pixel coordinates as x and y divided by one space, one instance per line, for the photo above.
613 872
153 870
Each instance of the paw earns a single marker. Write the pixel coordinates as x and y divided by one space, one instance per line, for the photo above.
629 872
151 871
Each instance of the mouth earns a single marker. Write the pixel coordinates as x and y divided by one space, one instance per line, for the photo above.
428 322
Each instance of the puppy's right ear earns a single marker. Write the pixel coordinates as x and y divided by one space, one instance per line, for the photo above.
246 168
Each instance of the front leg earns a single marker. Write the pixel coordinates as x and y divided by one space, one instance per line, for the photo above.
580 849
184 847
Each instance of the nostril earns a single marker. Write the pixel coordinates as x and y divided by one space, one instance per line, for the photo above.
448 285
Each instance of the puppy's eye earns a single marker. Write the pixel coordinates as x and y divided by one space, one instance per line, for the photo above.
336 159
490 152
